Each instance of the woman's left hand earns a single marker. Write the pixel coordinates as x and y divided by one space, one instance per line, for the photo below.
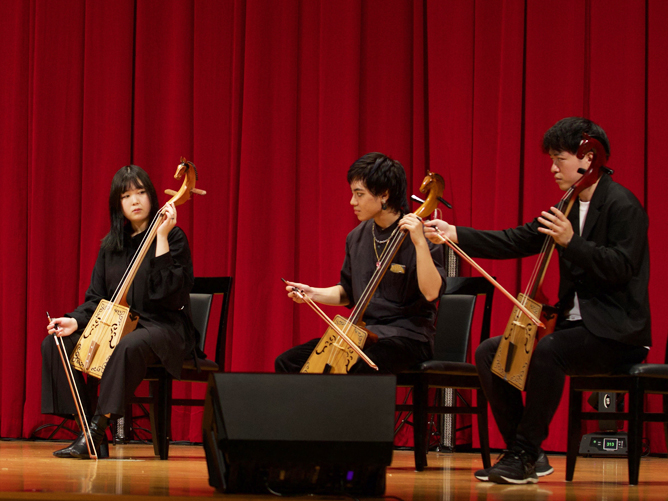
169 220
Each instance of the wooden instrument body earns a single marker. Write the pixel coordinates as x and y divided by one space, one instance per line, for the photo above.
117 321
511 362
330 341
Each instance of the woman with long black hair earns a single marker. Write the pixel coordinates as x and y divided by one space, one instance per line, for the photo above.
159 294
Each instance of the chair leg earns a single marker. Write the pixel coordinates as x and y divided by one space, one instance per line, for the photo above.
124 426
161 415
574 432
636 409
420 428
483 428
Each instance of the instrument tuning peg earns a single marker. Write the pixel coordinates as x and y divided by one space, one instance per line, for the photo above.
445 202
440 199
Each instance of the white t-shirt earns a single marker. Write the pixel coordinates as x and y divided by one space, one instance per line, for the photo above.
574 312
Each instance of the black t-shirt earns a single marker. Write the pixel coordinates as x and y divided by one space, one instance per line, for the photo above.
397 308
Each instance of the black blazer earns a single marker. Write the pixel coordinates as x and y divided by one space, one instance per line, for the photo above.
608 265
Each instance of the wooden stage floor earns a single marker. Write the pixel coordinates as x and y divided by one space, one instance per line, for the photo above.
29 471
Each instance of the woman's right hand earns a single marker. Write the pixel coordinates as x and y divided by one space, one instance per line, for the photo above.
436 229
304 289
63 326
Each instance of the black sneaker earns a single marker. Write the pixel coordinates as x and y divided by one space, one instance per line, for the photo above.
515 467
543 468
483 475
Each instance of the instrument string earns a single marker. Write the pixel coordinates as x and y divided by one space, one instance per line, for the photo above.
129 271
388 254
135 256
547 243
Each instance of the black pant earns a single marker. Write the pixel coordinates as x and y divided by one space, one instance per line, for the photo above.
391 354
570 350
124 372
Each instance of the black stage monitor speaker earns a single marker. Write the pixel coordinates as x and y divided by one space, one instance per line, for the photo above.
299 433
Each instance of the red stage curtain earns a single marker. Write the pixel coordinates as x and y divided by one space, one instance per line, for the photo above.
273 101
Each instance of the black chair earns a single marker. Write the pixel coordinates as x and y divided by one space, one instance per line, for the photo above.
636 380
449 368
160 381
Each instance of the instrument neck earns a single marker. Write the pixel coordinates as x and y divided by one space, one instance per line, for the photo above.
565 206
121 293
383 265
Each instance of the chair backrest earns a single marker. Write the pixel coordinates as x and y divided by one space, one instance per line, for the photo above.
453 326
455 317
201 297
200 306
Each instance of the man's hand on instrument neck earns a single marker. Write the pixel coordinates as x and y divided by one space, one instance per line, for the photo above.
413 225
556 225
429 280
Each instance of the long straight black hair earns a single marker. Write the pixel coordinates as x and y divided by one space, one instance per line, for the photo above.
130 177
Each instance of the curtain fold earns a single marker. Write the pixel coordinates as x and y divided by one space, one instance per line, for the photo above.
15 21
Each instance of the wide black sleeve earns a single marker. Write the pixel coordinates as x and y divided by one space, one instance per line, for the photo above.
521 241
170 277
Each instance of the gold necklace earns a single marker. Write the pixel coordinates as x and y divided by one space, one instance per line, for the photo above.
380 242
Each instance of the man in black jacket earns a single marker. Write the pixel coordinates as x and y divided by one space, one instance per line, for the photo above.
604 318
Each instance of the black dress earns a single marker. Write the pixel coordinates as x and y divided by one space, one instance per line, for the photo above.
165 332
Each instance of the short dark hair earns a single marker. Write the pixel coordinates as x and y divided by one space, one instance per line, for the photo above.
379 174
566 135
127 178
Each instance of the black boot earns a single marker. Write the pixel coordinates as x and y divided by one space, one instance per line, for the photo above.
65 451
78 449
